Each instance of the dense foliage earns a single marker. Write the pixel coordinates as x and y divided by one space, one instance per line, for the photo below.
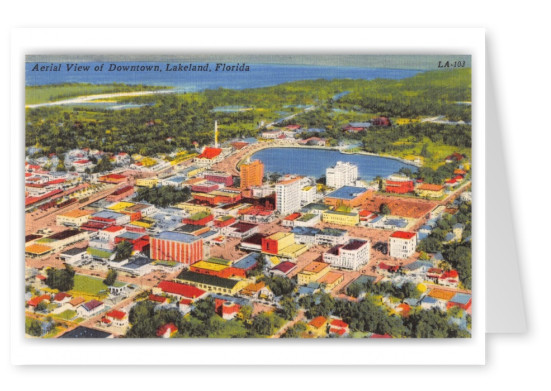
61 279
163 196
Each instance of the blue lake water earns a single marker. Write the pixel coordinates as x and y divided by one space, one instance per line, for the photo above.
260 75
313 162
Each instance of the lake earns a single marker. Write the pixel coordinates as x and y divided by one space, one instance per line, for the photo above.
313 162
260 75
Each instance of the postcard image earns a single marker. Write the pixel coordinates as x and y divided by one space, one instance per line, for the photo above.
241 196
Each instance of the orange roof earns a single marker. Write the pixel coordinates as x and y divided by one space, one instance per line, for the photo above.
441 294
315 267
77 301
210 153
318 322
253 288
330 277
37 249
76 213
288 181
37 300
430 187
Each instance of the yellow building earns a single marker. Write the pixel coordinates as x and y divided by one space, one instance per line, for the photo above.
318 326
144 223
73 218
192 208
118 206
312 272
341 218
37 250
212 283
331 280
147 182
293 251
429 190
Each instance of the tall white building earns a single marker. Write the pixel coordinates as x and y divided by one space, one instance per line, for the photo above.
352 255
343 174
288 195
402 244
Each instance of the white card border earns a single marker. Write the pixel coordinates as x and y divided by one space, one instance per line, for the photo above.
25 351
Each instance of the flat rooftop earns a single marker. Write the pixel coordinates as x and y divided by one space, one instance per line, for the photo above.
177 237
347 192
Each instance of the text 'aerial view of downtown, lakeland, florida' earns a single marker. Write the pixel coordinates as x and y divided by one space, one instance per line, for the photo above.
242 196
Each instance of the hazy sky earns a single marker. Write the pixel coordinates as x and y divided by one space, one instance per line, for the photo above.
422 62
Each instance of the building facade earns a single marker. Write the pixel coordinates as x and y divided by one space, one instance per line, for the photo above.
288 195
176 247
342 174
352 255
252 174
402 244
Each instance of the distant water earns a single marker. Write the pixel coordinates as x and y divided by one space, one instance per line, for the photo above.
313 162
260 75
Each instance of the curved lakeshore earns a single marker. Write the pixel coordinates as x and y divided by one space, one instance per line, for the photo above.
313 161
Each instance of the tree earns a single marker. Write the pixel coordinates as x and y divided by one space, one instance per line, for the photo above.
288 308
425 151
103 165
384 209
123 250
204 309
34 328
245 313
42 306
295 331
60 279
111 277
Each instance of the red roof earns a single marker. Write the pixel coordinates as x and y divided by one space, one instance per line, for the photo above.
37 300
284 267
116 314
339 323
177 288
41 277
167 327
113 228
318 322
114 176
293 127
210 153
158 299
55 181
61 295
384 266
380 336
83 161
402 235
292 216
337 330
450 274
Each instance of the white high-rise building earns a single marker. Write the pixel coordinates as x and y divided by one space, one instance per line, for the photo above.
343 174
402 244
288 195
352 255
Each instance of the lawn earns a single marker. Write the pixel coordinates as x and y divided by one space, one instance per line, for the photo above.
66 315
89 286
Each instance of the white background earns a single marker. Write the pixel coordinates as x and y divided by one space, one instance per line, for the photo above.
517 47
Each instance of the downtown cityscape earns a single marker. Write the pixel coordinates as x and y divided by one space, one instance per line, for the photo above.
332 205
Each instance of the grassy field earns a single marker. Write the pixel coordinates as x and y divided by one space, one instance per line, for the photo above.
90 287
437 152
66 315
50 93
